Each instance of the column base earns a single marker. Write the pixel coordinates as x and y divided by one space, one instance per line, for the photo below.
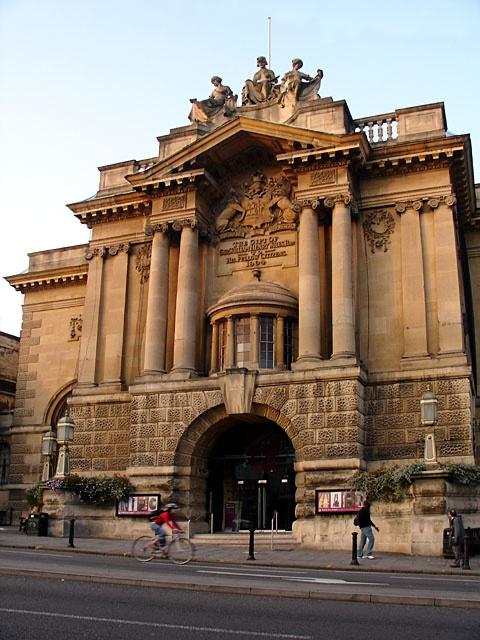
307 362
182 374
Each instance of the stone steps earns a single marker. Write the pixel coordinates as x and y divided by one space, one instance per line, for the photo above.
241 538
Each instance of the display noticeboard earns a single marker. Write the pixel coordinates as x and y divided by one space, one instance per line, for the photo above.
338 501
138 504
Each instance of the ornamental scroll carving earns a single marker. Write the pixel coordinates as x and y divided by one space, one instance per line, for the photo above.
76 328
259 206
378 226
142 261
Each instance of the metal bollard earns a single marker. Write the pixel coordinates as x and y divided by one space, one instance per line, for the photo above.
354 560
251 555
71 533
466 549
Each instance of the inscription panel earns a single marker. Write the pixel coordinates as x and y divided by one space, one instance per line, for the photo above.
257 252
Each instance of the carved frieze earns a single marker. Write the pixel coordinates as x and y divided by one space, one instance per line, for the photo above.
323 176
75 328
176 201
378 226
142 261
261 205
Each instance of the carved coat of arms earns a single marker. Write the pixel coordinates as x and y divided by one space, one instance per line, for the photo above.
261 204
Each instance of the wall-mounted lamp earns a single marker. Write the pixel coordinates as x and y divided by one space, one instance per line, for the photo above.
428 416
65 432
49 449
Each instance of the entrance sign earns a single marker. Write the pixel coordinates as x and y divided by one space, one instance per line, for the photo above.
338 501
138 504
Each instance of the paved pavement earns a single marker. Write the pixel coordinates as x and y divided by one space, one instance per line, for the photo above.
282 556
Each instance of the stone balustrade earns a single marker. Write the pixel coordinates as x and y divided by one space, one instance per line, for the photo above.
381 128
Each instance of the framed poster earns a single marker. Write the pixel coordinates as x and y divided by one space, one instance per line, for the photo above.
338 501
138 504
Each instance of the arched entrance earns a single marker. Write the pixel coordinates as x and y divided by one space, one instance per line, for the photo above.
251 475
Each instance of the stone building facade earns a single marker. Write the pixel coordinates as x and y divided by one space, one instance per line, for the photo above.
9 346
260 308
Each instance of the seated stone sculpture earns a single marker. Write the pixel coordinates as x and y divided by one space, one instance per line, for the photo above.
262 86
221 98
296 85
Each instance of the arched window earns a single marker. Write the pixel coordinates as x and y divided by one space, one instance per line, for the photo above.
253 327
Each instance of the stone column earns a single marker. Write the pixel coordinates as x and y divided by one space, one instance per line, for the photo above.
279 340
87 359
157 305
230 355
254 341
214 352
343 332
413 284
308 291
114 331
186 314
449 305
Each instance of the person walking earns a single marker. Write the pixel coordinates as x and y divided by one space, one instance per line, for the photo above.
458 536
366 526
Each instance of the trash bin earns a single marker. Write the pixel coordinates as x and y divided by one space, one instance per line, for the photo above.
37 524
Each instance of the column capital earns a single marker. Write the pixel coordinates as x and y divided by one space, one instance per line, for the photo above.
94 252
156 227
448 200
114 249
178 225
401 207
339 198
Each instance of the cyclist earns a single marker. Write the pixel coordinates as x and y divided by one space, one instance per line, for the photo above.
166 517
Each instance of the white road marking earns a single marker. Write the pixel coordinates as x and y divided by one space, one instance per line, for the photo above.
158 625
29 553
293 578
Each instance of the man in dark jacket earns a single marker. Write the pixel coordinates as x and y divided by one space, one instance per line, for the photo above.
365 523
458 536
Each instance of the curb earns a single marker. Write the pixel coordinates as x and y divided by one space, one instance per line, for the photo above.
420 601
260 563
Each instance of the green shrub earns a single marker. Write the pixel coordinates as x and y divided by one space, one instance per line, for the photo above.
392 484
100 490
35 495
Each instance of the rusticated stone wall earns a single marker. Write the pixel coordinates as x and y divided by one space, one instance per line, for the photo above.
393 425
102 434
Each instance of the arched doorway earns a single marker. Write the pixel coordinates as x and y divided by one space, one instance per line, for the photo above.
251 476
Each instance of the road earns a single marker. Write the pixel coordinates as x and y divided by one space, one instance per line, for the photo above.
43 608
358 585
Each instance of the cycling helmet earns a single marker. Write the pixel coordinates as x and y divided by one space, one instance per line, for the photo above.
172 505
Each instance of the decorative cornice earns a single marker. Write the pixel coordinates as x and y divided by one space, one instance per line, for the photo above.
51 278
108 209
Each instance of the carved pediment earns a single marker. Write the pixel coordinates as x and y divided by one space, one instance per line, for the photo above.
260 205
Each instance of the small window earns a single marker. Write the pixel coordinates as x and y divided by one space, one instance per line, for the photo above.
242 340
4 462
267 342
222 345
288 342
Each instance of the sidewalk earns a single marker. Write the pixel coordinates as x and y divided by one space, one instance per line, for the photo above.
232 554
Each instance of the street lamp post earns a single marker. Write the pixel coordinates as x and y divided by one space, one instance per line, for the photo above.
49 448
65 431
428 412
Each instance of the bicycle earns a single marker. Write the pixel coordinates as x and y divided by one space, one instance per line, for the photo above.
178 549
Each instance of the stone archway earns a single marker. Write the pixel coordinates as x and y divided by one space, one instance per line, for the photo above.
192 456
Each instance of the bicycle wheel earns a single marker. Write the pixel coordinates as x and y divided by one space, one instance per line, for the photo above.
31 527
181 551
142 549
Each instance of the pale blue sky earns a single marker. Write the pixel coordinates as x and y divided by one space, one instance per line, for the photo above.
90 82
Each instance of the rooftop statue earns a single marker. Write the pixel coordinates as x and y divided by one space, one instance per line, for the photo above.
221 98
296 85
262 86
